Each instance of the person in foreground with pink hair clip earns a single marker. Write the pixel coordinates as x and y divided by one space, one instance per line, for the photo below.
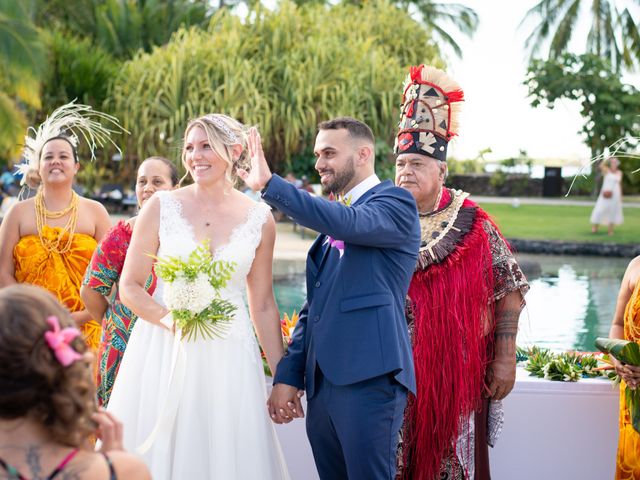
48 411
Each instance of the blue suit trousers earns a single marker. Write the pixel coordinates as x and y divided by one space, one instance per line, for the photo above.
353 429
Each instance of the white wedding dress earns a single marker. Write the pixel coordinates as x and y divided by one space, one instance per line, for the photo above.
198 408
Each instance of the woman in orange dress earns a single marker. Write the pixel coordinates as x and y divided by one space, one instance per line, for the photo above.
48 240
626 324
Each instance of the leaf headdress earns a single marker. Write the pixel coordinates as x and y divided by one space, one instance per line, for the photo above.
72 121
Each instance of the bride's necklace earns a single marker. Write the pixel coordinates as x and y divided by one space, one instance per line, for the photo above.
57 245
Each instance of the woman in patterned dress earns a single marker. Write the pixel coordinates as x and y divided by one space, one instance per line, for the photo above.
100 285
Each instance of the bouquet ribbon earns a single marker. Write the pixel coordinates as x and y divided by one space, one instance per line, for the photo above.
169 404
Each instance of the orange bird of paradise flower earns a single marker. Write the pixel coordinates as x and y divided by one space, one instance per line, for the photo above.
287 325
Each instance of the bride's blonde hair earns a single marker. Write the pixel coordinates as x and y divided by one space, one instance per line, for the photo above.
223 132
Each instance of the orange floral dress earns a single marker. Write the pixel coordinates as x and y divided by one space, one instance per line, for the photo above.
61 274
628 458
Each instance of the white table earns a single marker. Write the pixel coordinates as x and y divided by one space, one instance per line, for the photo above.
553 430
557 430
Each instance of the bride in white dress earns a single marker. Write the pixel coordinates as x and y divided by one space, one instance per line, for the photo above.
197 410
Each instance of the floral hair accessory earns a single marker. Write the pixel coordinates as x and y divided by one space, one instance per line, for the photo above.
59 341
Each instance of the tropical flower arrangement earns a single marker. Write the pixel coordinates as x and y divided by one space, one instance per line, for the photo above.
564 367
287 325
192 292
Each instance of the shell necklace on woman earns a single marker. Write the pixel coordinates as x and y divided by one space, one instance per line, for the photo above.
58 245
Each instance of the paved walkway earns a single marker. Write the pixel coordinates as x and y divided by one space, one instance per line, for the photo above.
292 244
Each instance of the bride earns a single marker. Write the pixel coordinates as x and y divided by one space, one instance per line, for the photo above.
196 409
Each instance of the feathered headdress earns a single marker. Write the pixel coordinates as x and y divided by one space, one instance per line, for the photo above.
429 113
71 121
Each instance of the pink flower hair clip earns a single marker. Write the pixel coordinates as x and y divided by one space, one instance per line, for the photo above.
59 340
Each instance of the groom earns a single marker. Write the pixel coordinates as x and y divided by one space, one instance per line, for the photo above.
350 349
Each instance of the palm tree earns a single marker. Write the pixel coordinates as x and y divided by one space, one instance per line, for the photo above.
614 32
439 17
436 17
22 62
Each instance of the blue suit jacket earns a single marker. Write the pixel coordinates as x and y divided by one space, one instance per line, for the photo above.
353 323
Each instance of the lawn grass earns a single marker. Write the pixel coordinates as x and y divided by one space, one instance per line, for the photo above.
559 222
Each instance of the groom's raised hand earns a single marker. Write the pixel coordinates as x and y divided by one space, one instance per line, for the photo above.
284 403
260 172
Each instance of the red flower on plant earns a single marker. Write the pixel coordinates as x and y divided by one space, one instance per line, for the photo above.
405 141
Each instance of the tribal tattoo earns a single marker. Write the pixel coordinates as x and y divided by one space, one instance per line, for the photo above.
506 331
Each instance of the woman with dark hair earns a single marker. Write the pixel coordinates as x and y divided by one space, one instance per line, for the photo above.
100 285
47 409
48 240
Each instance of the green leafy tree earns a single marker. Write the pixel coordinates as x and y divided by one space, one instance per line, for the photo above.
22 63
440 19
283 70
77 70
614 33
609 108
122 27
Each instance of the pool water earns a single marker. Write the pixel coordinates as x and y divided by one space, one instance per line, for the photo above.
571 302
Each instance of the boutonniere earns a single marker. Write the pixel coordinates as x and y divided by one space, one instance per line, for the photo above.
333 243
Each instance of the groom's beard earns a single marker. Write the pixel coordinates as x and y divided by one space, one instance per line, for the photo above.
341 179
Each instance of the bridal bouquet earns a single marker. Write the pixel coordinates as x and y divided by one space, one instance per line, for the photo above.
192 292
627 352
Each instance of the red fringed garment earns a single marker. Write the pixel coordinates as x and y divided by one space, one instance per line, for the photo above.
452 305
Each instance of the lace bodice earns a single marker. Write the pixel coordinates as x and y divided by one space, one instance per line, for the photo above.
177 238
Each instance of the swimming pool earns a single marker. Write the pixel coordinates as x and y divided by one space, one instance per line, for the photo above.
571 302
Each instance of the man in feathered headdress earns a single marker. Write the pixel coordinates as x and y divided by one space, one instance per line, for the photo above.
464 300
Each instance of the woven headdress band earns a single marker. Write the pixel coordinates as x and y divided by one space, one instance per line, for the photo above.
429 113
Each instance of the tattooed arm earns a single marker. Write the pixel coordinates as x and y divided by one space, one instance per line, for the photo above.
501 372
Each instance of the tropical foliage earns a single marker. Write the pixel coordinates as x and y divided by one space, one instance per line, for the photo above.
22 60
614 33
563 367
283 70
77 70
627 352
609 108
122 27
441 19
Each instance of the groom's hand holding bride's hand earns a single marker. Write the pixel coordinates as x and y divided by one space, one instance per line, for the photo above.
260 171
284 403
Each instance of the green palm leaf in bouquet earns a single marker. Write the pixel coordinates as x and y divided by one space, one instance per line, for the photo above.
627 352
192 292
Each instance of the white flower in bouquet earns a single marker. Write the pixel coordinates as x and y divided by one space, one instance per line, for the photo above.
192 292
191 295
